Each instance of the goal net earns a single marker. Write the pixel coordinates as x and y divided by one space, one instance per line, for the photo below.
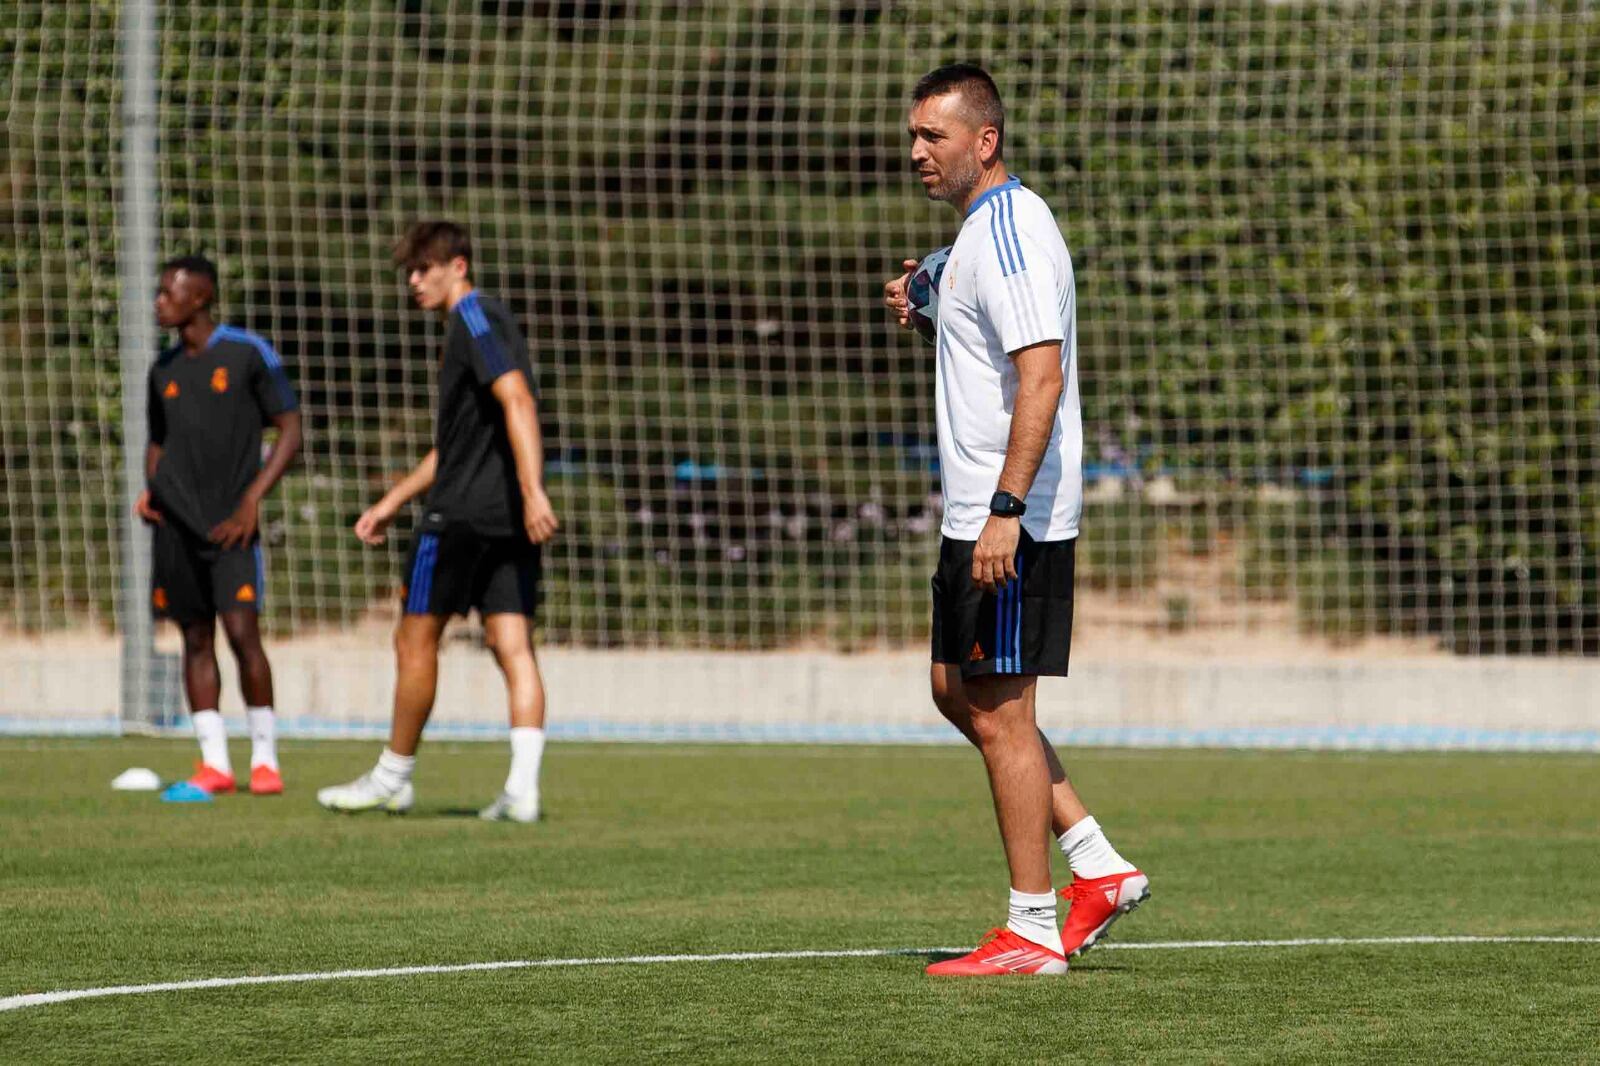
1338 345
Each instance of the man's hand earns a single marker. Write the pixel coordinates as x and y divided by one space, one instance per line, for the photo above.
144 507
236 530
894 294
994 559
373 525
538 517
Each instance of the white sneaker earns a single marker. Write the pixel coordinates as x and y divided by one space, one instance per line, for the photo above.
509 808
365 794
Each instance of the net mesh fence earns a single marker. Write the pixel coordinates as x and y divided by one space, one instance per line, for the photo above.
1337 284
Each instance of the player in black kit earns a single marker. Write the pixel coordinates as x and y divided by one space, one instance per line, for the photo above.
209 397
478 545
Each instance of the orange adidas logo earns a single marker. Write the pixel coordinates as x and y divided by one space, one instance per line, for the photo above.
219 379
171 391
246 594
159 598
977 652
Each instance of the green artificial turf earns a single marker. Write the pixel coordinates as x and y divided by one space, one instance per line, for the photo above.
673 849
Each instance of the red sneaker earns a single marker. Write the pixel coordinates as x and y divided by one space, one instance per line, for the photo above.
1095 904
265 781
1001 952
211 779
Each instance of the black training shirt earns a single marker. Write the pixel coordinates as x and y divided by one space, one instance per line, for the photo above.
206 412
476 483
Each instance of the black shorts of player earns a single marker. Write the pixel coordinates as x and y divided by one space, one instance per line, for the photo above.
1025 628
194 580
456 569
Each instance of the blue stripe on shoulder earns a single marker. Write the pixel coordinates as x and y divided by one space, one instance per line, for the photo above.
494 360
268 355
994 235
1016 241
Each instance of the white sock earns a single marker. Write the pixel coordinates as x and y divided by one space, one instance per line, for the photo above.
263 737
1089 853
393 772
1033 918
213 737
527 751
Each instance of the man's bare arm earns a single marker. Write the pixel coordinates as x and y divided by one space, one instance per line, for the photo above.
527 447
371 527
1033 420
144 506
1033 417
237 529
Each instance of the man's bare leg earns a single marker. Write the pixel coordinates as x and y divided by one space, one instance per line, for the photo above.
202 683
1002 718
510 638
950 696
387 786
1096 865
243 630
416 660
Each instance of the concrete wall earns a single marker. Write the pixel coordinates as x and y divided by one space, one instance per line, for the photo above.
333 690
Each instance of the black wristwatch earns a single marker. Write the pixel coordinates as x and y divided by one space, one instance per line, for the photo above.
1005 505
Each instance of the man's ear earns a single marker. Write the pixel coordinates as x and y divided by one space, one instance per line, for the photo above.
988 144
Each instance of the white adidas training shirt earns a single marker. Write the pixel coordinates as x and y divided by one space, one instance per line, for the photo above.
1007 286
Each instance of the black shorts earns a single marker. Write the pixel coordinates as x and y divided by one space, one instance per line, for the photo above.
456 569
1025 628
192 580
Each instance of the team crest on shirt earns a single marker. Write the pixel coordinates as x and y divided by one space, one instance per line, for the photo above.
246 594
219 379
171 391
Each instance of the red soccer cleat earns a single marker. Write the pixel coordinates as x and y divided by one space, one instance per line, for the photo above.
211 779
1095 904
265 781
1001 952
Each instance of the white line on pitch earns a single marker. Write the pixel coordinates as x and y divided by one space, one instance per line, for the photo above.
41 999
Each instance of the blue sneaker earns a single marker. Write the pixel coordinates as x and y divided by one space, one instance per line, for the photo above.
184 792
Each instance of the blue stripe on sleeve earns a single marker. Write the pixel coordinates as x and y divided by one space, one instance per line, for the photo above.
994 234
1016 241
494 360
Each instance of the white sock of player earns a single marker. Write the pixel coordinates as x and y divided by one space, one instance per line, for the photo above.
263 737
213 737
1089 853
1033 917
527 751
393 771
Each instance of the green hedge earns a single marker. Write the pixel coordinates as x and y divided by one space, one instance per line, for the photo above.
1346 250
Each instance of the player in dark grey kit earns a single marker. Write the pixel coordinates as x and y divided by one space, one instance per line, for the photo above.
477 547
209 397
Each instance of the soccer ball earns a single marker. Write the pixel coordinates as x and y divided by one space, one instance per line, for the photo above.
922 294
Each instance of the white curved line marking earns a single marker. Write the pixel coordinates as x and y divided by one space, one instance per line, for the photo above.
41 999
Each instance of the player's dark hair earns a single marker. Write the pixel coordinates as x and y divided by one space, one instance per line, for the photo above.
430 243
977 89
198 265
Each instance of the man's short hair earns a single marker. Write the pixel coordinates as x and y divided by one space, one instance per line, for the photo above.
198 265
979 97
431 243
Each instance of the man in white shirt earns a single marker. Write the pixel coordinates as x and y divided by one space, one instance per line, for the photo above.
1011 462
